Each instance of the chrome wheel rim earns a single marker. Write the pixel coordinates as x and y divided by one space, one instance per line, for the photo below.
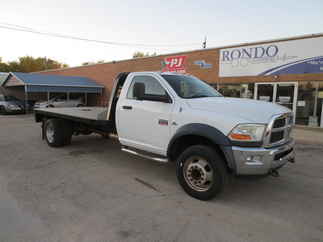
50 133
198 173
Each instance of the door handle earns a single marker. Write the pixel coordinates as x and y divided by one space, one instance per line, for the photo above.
127 107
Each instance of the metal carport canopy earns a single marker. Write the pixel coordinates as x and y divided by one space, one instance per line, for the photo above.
57 83
63 89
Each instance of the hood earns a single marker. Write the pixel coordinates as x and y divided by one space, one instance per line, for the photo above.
248 109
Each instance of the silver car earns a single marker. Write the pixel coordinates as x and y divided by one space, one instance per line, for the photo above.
10 104
57 102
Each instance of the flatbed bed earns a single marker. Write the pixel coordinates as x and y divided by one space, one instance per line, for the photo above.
96 116
87 119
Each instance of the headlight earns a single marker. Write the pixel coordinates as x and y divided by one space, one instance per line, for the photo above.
248 132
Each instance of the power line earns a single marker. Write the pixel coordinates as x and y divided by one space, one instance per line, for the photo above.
20 28
15 25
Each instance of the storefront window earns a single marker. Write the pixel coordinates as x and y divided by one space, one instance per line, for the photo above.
305 102
265 92
320 104
309 103
237 90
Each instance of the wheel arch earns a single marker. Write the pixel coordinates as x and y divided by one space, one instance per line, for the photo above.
196 133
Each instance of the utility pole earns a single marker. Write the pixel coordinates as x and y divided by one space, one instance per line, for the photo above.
204 43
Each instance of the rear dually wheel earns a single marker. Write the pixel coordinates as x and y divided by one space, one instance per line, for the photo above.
58 132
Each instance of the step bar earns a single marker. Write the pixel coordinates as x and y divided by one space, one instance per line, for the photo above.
158 159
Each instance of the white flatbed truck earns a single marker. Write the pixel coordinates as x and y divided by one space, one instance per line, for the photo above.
170 117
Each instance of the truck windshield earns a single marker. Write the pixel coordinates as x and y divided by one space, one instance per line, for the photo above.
190 87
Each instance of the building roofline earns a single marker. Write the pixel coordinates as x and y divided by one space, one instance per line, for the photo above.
56 85
297 37
7 78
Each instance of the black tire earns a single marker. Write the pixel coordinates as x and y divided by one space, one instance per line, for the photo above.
215 166
2 110
80 105
61 132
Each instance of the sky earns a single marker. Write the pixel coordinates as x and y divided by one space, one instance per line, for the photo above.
170 26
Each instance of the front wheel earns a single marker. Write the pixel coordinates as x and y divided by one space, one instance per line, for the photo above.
201 172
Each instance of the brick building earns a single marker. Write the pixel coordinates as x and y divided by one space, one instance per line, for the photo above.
286 71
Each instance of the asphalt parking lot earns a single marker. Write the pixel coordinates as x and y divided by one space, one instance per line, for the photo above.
91 191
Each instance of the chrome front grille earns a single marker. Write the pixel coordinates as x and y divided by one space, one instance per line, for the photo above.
280 122
279 130
276 136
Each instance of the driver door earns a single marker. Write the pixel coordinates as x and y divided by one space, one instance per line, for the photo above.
145 124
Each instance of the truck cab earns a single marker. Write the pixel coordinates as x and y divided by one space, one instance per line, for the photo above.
177 117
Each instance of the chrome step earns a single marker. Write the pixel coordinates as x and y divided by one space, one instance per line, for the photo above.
158 159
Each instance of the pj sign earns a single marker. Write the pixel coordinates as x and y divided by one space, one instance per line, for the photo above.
174 64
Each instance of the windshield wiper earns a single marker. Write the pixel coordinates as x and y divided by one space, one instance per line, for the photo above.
198 96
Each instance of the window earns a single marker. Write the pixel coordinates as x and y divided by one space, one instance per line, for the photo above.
320 103
1 98
152 86
190 87
305 112
237 90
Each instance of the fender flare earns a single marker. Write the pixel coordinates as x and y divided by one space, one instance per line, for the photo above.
208 132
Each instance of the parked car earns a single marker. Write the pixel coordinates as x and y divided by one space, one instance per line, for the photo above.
57 102
10 104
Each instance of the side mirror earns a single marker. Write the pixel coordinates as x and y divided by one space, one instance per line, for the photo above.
139 90
157 98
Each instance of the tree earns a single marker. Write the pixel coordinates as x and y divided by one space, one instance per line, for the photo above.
139 54
3 66
30 64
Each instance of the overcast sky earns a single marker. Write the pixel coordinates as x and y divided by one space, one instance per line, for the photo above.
151 22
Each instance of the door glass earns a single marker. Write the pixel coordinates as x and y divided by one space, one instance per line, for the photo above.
152 86
265 92
285 95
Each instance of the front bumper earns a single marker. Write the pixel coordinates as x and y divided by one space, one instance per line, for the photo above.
259 161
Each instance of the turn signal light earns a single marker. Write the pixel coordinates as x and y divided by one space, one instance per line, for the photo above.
240 136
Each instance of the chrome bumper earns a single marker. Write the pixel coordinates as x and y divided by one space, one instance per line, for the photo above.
257 161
